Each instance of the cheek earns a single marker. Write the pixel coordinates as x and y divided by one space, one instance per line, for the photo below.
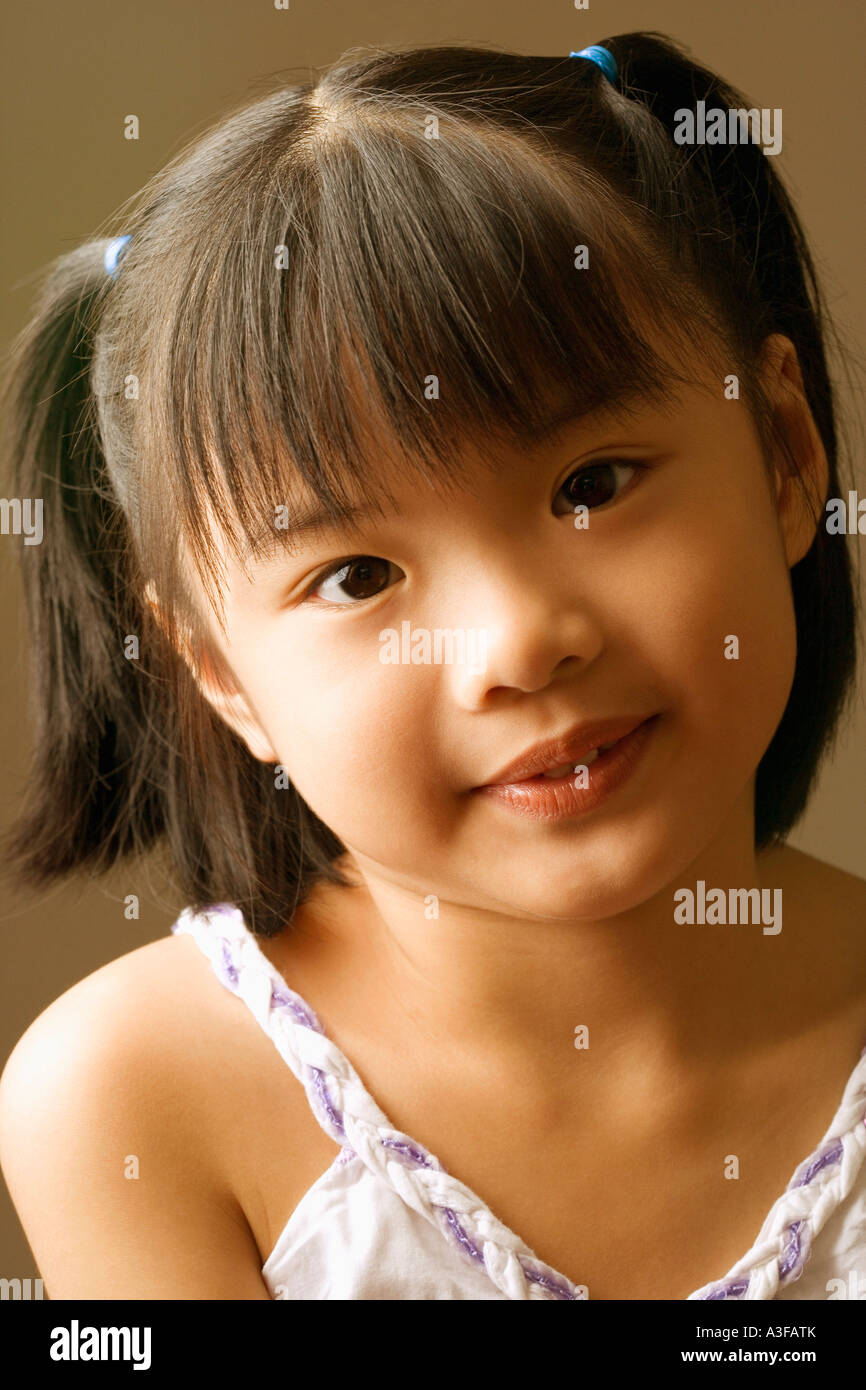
347 731
720 620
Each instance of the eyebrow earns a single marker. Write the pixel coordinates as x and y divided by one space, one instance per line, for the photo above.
315 518
617 405
270 541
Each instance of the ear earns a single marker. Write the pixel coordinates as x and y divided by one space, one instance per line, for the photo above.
218 685
799 500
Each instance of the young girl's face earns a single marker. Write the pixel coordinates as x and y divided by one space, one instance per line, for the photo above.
672 600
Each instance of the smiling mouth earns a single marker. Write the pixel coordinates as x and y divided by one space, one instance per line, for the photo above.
585 760
552 792
555 758
566 770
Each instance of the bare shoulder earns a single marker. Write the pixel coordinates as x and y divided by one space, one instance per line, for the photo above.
145 1008
825 916
113 1157
842 892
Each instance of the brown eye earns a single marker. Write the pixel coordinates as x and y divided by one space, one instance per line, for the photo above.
595 484
354 580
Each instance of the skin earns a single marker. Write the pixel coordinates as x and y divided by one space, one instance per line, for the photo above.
630 615
705 1041
541 926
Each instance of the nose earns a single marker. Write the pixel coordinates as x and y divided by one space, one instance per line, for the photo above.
525 634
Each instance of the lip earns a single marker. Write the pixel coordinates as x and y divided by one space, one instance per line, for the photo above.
569 747
550 799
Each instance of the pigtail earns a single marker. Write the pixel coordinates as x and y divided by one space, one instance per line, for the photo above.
87 800
126 751
733 196
732 212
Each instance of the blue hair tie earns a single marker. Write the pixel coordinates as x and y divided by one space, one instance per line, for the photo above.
114 253
605 59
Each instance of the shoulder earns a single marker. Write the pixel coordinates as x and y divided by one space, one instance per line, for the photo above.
111 1037
102 1136
152 1033
139 1008
804 874
845 891
825 917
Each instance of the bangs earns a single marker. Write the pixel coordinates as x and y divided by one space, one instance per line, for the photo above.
379 298
334 285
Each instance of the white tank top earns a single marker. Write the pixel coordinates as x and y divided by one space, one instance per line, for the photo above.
387 1221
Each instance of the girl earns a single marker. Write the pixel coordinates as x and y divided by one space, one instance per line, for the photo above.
434 563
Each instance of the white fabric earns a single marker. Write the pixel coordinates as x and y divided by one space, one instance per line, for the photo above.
352 1237
386 1221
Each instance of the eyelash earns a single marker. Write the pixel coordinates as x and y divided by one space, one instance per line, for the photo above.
348 562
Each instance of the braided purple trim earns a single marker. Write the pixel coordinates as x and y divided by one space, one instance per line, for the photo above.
736 1290
228 973
554 1283
814 1165
417 1157
793 1258
798 1246
791 1261
412 1154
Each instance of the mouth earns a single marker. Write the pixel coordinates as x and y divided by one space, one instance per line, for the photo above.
558 758
586 759
543 786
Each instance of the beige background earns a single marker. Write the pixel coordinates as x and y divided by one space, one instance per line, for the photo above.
72 72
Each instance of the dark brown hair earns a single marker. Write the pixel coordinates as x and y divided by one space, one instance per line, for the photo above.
411 213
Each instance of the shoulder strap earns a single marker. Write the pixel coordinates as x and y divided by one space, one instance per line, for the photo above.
349 1114
819 1184
287 1019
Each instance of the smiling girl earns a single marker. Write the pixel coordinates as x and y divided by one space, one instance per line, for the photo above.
463 340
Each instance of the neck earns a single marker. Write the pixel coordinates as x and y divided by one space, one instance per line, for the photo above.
643 994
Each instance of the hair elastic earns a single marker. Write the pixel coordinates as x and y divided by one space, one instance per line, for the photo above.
605 59
114 253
